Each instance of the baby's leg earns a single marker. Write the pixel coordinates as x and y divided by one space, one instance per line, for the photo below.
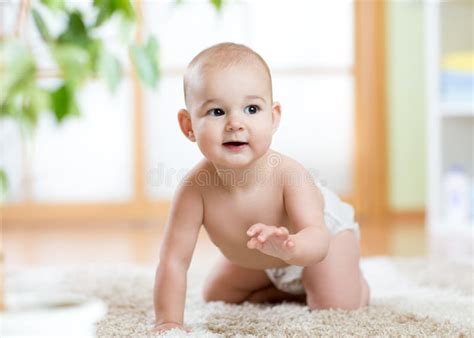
231 283
337 281
271 294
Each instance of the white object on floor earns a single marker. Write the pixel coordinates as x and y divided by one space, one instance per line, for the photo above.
456 191
50 314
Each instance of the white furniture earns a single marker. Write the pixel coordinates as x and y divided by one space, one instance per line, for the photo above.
52 314
450 126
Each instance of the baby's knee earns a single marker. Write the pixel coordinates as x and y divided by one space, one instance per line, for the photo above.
348 302
212 293
332 304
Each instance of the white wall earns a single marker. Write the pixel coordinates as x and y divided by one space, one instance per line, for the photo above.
294 38
90 159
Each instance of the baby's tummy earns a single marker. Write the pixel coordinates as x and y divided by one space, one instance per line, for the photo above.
252 259
234 248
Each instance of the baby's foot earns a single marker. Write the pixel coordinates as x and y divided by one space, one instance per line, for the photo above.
271 240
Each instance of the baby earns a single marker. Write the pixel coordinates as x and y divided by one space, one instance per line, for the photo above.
282 236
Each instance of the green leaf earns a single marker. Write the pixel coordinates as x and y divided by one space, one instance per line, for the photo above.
3 185
63 103
17 69
40 24
76 32
39 99
53 4
217 4
145 61
29 104
126 8
152 48
111 69
105 11
107 8
127 29
74 62
12 107
94 49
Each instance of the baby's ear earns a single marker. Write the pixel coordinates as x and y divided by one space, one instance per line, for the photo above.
276 115
185 124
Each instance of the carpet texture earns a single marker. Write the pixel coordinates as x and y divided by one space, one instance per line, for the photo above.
409 297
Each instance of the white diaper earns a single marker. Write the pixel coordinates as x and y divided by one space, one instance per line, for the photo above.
338 216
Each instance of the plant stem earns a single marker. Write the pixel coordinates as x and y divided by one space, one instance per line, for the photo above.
21 17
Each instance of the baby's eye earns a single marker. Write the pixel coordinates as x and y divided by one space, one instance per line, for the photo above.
252 109
215 112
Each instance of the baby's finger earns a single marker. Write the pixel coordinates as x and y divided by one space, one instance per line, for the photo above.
267 232
255 229
252 243
282 231
289 244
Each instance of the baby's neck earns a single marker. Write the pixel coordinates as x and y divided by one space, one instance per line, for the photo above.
242 179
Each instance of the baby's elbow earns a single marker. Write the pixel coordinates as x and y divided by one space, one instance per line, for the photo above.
317 257
324 246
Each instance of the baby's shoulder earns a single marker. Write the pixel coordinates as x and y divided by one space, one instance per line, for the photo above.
286 164
291 171
202 172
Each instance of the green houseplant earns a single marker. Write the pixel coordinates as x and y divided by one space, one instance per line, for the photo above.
79 53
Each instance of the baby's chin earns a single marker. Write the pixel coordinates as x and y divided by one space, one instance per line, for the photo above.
235 162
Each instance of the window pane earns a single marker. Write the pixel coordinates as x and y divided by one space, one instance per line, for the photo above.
110 32
11 158
169 155
88 158
8 14
183 30
302 35
316 126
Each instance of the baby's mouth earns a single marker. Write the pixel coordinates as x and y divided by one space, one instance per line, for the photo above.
234 143
235 146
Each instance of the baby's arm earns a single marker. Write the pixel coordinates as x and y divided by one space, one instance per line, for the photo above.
304 205
178 244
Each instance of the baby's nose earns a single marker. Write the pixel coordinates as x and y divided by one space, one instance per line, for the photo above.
234 123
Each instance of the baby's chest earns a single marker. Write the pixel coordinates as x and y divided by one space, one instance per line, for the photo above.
227 218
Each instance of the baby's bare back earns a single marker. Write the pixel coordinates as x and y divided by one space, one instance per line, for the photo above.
229 214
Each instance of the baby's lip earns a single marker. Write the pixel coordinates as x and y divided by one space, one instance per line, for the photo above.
235 143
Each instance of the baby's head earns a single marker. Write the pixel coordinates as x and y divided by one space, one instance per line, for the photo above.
230 111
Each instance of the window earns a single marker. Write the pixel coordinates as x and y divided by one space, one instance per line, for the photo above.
309 48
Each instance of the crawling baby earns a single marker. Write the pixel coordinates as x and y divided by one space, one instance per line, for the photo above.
282 236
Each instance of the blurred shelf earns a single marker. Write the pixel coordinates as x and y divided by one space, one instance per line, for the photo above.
466 231
457 110
450 123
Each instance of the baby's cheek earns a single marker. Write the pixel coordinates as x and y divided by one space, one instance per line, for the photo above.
206 146
265 137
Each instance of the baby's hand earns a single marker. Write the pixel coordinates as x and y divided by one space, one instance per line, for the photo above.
271 240
161 328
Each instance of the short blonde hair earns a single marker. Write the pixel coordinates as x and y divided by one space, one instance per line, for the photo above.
223 55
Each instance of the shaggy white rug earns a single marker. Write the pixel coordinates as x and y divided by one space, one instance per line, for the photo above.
409 297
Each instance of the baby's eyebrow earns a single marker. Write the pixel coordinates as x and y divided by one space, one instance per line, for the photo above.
255 97
248 97
208 101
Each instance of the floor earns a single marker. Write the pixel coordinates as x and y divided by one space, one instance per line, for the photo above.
59 243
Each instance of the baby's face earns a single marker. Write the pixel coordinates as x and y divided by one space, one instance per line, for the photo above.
232 113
